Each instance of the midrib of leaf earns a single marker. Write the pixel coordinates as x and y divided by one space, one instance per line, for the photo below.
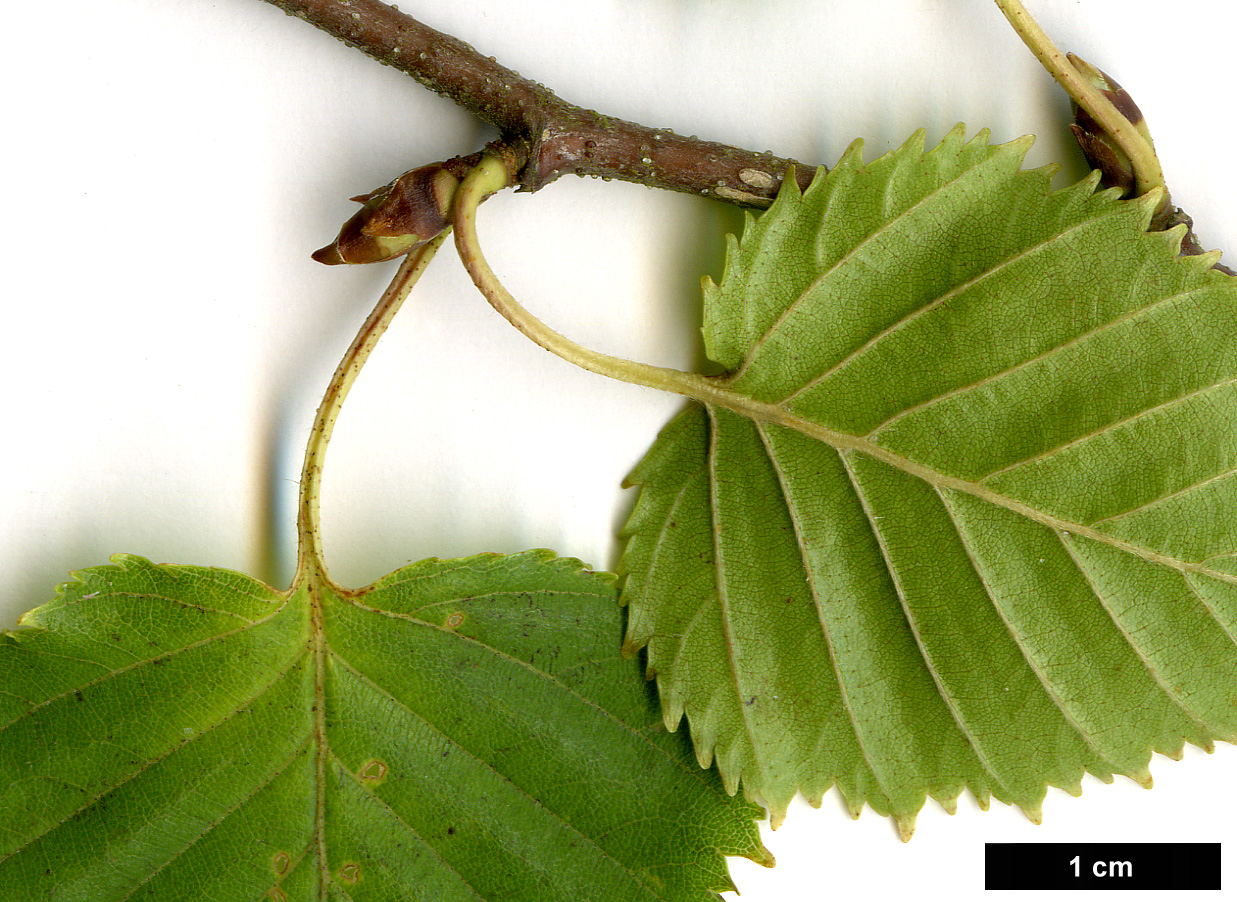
778 415
312 575
316 585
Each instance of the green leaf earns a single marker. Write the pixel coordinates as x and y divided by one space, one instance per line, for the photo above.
961 514
460 730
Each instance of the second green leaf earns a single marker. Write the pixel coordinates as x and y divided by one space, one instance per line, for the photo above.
963 518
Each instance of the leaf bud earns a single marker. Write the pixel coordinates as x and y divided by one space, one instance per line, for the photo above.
1099 147
396 218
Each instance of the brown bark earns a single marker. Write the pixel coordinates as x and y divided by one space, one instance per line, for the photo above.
543 136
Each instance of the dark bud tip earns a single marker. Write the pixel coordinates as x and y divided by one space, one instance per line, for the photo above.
329 255
1115 169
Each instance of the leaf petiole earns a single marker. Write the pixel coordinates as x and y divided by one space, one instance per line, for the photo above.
490 176
1147 171
309 536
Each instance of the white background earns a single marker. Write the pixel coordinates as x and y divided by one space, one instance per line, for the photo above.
170 164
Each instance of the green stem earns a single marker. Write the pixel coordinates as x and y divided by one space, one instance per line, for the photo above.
308 531
491 175
1146 164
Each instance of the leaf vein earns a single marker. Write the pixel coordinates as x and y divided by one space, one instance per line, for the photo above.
909 619
162 656
797 520
663 537
1125 634
1109 427
1019 641
382 803
696 773
732 650
1210 609
153 761
1163 499
852 253
181 603
1028 362
274 775
364 677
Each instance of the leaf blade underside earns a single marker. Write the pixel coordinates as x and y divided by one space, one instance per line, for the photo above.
961 516
482 739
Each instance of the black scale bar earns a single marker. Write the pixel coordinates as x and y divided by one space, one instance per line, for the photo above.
1051 866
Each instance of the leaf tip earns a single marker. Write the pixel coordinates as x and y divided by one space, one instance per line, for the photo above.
1207 259
1150 203
27 621
851 157
1022 143
906 826
775 798
915 144
1074 789
1048 170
